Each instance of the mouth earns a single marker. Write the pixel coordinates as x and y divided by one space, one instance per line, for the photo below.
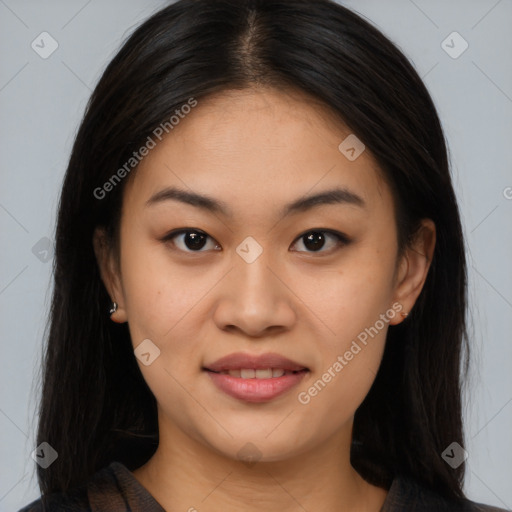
248 363
255 378
260 373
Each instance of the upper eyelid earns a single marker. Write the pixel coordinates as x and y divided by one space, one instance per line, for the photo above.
342 238
174 233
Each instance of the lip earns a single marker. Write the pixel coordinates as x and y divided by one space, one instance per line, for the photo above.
255 390
240 360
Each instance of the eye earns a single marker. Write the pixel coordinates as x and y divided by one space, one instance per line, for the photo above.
195 240
190 240
315 240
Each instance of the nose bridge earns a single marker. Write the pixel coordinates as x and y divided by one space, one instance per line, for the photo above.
254 280
255 299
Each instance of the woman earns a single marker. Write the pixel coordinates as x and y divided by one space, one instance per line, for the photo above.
256 228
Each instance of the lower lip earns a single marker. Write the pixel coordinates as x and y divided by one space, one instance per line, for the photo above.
256 390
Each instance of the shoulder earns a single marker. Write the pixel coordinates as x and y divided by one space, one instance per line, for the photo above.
407 494
73 501
112 488
100 487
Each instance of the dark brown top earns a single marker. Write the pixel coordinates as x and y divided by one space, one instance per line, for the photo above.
115 489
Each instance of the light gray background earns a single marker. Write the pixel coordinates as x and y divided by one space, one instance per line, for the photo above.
42 101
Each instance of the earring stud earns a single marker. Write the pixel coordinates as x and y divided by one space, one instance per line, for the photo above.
113 308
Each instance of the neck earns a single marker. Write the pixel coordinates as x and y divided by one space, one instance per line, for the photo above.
184 474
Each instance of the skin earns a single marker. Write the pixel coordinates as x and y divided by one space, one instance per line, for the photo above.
257 150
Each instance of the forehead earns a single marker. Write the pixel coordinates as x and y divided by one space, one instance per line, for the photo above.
258 147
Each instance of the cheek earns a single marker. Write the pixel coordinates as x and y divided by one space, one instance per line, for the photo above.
351 296
352 306
332 398
158 294
349 359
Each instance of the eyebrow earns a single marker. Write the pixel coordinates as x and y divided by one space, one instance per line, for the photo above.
207 203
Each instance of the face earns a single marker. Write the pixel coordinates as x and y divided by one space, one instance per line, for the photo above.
258 268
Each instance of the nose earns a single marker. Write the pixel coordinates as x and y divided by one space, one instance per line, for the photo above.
255 299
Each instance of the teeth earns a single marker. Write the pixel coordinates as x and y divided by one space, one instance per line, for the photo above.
247 373
264 374
250 373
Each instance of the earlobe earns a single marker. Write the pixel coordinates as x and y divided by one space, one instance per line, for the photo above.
109 275
118 318
414 269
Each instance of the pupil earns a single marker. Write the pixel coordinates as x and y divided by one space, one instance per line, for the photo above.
194 240
314 241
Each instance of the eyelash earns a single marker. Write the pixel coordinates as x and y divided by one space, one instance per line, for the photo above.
342 239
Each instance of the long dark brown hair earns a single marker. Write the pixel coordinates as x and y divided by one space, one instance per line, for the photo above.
95 405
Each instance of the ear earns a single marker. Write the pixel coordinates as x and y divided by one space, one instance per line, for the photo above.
413 268
110 273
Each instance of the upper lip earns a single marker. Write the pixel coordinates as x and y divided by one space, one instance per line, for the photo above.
239 360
